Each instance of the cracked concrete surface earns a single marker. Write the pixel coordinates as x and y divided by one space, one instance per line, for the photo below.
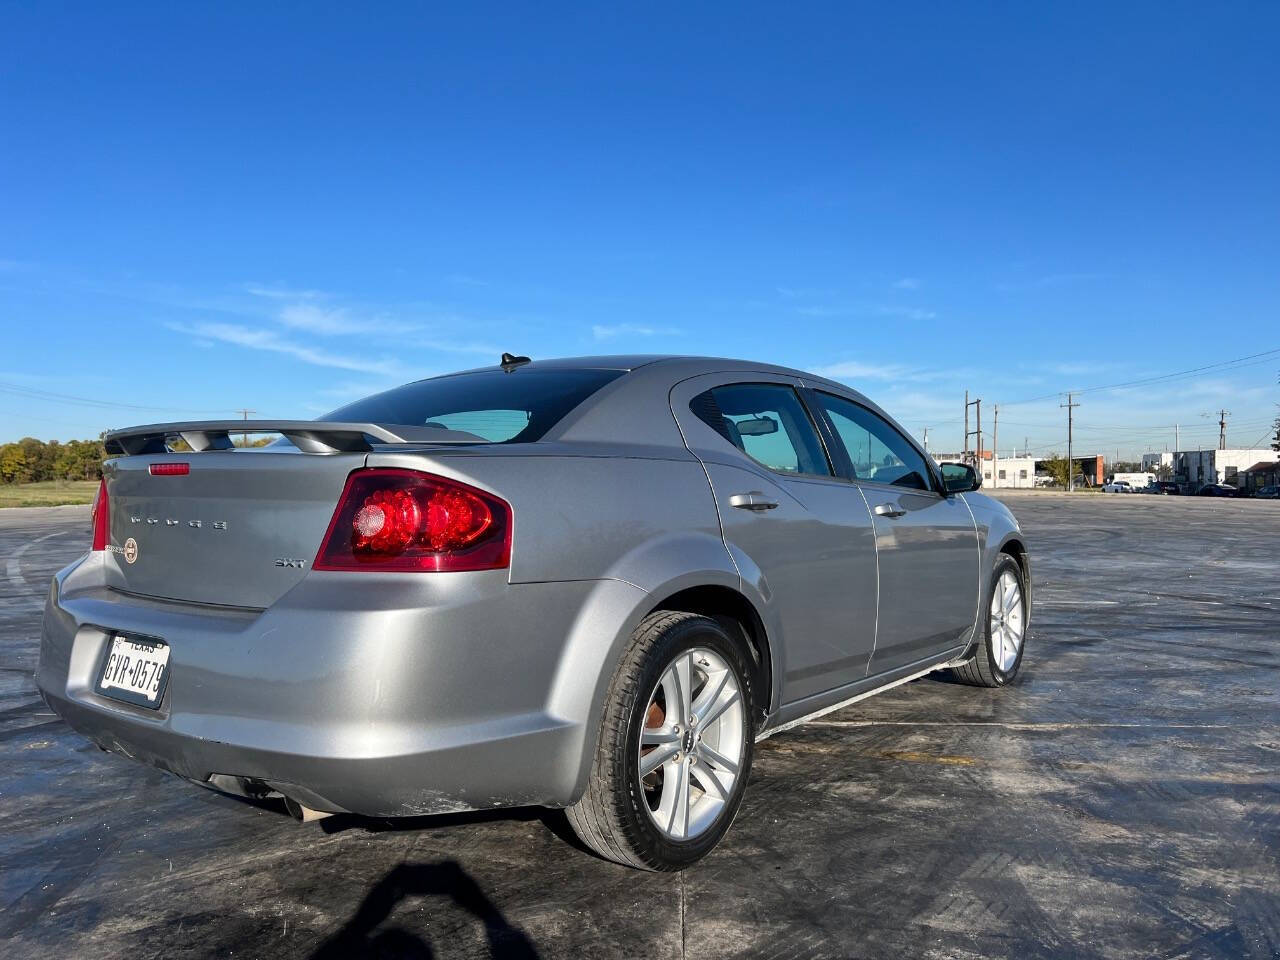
1122 799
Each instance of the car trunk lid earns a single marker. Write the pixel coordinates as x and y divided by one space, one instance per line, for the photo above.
239 528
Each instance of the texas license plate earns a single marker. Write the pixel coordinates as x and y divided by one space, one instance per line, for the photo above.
135 670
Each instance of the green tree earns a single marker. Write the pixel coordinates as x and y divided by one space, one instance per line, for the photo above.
1058 468
39 463
13 464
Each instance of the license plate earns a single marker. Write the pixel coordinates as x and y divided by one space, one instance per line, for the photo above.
135 670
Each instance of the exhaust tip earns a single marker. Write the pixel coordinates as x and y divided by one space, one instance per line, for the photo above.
302 813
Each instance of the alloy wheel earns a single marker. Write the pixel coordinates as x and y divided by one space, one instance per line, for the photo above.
1008 621
691 744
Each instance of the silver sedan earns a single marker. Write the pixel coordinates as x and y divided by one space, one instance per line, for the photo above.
592 584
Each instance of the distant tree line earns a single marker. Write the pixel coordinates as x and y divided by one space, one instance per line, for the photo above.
31 460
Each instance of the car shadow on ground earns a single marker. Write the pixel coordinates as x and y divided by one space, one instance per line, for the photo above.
361 936
554 820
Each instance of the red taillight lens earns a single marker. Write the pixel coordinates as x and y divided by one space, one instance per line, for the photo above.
406 520
169 469
101 518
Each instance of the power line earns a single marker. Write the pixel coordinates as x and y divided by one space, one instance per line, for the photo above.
1263 357
35 393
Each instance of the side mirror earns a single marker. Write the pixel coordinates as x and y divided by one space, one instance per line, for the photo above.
960 478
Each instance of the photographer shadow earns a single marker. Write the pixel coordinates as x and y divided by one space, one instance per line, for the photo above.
360 936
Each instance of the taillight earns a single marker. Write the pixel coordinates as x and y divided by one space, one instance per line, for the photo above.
101 517
405 520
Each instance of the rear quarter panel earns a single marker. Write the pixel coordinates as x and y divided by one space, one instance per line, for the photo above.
642 528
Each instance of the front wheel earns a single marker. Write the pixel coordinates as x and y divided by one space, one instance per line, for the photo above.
675 746
998 655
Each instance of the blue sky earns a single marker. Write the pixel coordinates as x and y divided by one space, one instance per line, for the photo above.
204 208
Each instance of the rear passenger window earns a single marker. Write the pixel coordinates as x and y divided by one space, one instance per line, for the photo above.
767 422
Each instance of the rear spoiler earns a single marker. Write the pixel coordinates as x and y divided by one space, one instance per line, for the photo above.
309 436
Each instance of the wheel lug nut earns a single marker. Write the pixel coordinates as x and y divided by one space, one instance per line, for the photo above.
675 728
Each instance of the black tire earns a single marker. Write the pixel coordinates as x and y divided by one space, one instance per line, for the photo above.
610 817
980 670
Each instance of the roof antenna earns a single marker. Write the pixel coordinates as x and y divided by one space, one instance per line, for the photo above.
510 362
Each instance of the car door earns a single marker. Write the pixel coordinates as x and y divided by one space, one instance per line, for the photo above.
801 536
926 543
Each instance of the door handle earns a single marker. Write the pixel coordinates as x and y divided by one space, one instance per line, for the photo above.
753 500
890 510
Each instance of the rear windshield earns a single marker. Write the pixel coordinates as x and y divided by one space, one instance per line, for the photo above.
516 407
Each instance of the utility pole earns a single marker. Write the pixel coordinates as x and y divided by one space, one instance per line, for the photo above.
977 404
244 437
1222 428
978 412
1071 464
995 449
926 439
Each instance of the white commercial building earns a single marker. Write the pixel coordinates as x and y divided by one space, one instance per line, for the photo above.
1201 467
997 472
1002 473
1154 461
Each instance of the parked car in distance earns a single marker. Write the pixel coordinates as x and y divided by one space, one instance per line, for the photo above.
1117 486
1268 493
1217 490
591 584
1164 487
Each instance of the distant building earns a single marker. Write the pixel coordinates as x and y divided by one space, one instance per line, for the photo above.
1261 474
1154 461
1198 468
1002 473
1009 472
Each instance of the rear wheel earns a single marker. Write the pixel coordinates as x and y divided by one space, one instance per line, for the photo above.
998 655
675 746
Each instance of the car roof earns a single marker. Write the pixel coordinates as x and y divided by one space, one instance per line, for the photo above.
622 409
689 363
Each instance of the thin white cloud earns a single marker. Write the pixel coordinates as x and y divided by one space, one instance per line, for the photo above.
632 330
851 370
855 370
877 310
320 320
1049 280
910 313
339 321
283 293
271 341
907 283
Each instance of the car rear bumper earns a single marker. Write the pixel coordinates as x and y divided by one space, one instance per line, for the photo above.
383 695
